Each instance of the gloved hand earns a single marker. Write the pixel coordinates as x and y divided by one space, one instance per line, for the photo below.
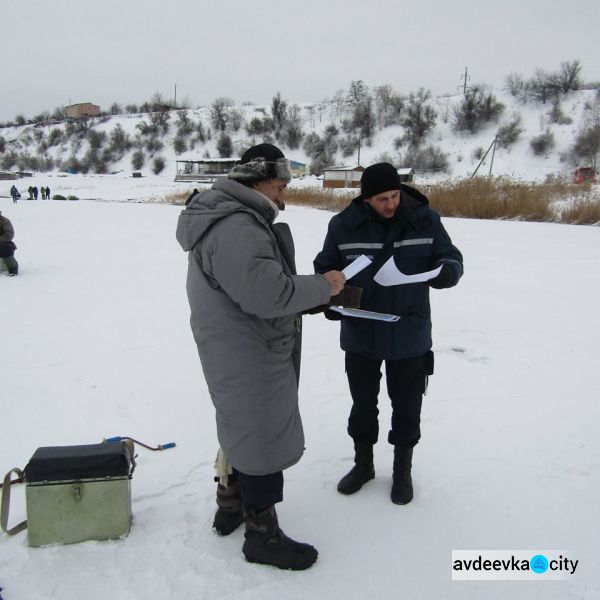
443 279
333 315
349 297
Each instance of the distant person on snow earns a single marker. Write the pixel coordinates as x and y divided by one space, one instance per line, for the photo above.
47 193
43 192
387 220
30 192
35 192
7 246
246 302
14 192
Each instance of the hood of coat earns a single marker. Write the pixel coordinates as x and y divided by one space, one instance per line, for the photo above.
224 198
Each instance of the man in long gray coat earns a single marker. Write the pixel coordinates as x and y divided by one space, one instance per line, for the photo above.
246 300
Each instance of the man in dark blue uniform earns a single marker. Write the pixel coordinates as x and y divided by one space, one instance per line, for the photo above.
388 219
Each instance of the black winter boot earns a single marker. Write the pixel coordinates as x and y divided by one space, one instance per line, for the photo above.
266 544
229 515
362 471
402 489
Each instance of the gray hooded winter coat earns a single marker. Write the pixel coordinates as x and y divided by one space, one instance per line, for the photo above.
245 300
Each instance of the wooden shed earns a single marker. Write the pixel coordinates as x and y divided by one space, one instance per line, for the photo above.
204 170
406 174
208 170
342 177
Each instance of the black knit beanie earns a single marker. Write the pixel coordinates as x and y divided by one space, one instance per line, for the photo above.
379 178
260 163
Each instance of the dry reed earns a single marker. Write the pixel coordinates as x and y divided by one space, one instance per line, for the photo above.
479 198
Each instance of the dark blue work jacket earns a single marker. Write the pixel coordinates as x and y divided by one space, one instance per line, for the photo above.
418 241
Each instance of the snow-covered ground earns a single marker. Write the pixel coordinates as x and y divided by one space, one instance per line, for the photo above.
95 342
120 187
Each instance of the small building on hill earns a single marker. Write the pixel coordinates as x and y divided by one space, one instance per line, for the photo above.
82 110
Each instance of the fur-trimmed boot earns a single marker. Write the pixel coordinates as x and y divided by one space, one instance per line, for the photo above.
402 488
230 514
362 471
266 544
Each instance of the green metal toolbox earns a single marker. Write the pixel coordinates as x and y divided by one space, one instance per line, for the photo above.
78 493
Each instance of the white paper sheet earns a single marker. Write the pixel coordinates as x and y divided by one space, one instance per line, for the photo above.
364 314
356 266
390 275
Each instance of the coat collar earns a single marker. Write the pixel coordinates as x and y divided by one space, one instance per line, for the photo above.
249 197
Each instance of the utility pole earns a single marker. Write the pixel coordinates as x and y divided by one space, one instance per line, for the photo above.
175 95
492 145
358 160
493 153
466 77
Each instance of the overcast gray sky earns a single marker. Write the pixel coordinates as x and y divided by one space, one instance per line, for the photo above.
56 51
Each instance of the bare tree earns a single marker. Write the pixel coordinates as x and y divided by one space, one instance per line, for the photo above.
224 146
292 133
544 85
357 93
363 118
476 108
570 75
339 103
278 112
160 120
542 143
516 86
219 113
509 133
236 117
383 98
587 142
158 102
420 116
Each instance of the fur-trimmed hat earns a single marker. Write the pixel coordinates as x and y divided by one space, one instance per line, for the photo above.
379 178
260 163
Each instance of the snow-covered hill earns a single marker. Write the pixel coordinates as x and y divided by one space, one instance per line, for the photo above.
463 150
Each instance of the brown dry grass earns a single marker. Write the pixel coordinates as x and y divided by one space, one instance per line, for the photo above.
178 198
502 198
479 198
325 199
582 212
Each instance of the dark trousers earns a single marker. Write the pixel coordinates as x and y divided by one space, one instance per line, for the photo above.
406 383
11 264
259 492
